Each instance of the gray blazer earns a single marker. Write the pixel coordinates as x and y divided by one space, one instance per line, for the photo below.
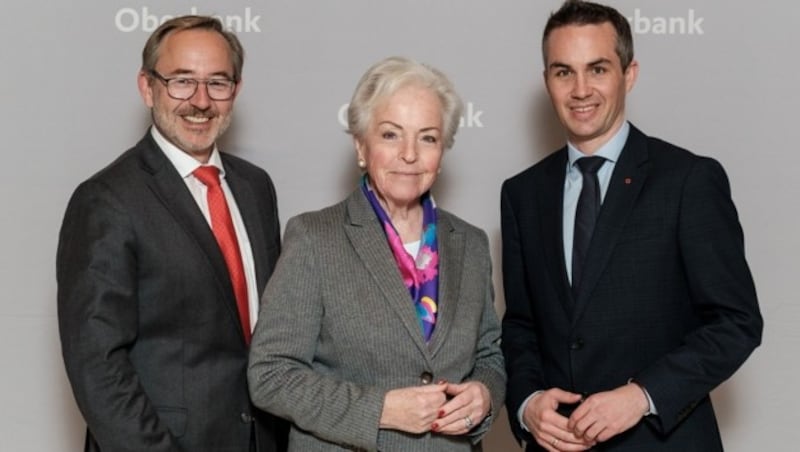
337 330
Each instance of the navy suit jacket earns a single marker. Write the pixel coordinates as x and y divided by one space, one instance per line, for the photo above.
667 297
149 328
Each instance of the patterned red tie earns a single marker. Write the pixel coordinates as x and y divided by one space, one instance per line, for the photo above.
222 225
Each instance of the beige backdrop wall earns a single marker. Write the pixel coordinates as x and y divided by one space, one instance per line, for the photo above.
718 77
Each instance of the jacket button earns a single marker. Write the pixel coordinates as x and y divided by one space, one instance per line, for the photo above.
426 378
246 418
577 344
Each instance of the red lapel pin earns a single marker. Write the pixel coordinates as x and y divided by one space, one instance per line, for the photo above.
628 181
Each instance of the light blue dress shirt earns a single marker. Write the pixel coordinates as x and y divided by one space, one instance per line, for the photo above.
574 182
572 190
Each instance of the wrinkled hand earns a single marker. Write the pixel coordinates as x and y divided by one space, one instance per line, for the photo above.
550 429
413 409
469 405
606 414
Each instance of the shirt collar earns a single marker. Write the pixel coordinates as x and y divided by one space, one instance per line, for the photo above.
610 151
183 162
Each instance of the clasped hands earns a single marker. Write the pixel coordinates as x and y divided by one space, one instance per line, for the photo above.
598 418
446 408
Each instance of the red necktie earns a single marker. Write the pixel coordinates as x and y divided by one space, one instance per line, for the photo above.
222 226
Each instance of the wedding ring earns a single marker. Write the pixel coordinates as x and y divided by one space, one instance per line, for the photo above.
555 441
468 422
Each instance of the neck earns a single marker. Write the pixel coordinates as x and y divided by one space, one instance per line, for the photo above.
592 145
200 156
407 219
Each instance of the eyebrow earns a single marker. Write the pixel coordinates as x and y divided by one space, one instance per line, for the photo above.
425 129
558 65
597 62
192 73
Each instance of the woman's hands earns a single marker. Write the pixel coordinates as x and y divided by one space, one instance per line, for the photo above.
468 405
449 409
413 409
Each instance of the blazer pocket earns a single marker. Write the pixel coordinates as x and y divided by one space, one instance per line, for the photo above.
174 418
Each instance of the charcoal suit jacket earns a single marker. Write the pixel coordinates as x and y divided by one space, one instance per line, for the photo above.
149 327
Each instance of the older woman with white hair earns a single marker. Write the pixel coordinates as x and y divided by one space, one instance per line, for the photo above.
378 329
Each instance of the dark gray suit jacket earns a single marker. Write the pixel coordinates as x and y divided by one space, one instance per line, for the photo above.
667 297
338 330
149 328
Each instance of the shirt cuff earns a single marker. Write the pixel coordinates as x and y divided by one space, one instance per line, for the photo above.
651 406
521 410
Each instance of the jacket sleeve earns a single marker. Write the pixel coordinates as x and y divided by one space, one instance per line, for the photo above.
721 290
519 342
489 364
96 268
280 374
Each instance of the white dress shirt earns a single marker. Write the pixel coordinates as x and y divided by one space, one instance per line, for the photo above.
186 164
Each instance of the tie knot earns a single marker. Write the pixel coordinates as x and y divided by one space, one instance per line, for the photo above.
590 164
208 175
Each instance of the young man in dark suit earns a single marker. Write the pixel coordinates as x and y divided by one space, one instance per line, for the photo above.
627 292
162 258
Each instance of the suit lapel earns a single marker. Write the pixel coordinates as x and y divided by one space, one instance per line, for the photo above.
627 180
246 202
550 199
168 186
369 241
451 256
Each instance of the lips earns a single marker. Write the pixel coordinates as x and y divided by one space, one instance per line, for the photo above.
195 115
583 112
405 173
197 119
583 108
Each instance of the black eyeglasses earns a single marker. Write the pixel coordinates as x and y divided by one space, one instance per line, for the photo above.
183 88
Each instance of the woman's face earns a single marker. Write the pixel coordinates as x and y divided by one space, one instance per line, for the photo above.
402 146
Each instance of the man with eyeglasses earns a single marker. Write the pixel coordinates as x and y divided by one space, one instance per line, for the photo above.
162 258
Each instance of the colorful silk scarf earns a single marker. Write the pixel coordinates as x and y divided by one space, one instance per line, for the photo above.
420 275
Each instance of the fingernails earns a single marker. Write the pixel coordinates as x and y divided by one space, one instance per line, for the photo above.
441 414
435 426
442 381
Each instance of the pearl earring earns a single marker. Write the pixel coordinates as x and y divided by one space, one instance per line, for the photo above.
362 163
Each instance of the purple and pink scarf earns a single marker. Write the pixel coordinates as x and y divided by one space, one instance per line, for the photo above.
420 274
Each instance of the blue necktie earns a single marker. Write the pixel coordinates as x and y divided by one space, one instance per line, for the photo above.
585 216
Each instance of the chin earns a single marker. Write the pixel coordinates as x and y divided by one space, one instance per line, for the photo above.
405 198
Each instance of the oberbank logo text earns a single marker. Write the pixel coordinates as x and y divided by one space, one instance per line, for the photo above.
690 24
133 19
471 117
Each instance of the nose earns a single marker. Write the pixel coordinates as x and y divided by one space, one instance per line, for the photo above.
200 98
409 152
581 87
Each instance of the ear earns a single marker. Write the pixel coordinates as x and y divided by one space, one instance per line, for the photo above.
145 88
631 74
236 89
361 148
546 81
